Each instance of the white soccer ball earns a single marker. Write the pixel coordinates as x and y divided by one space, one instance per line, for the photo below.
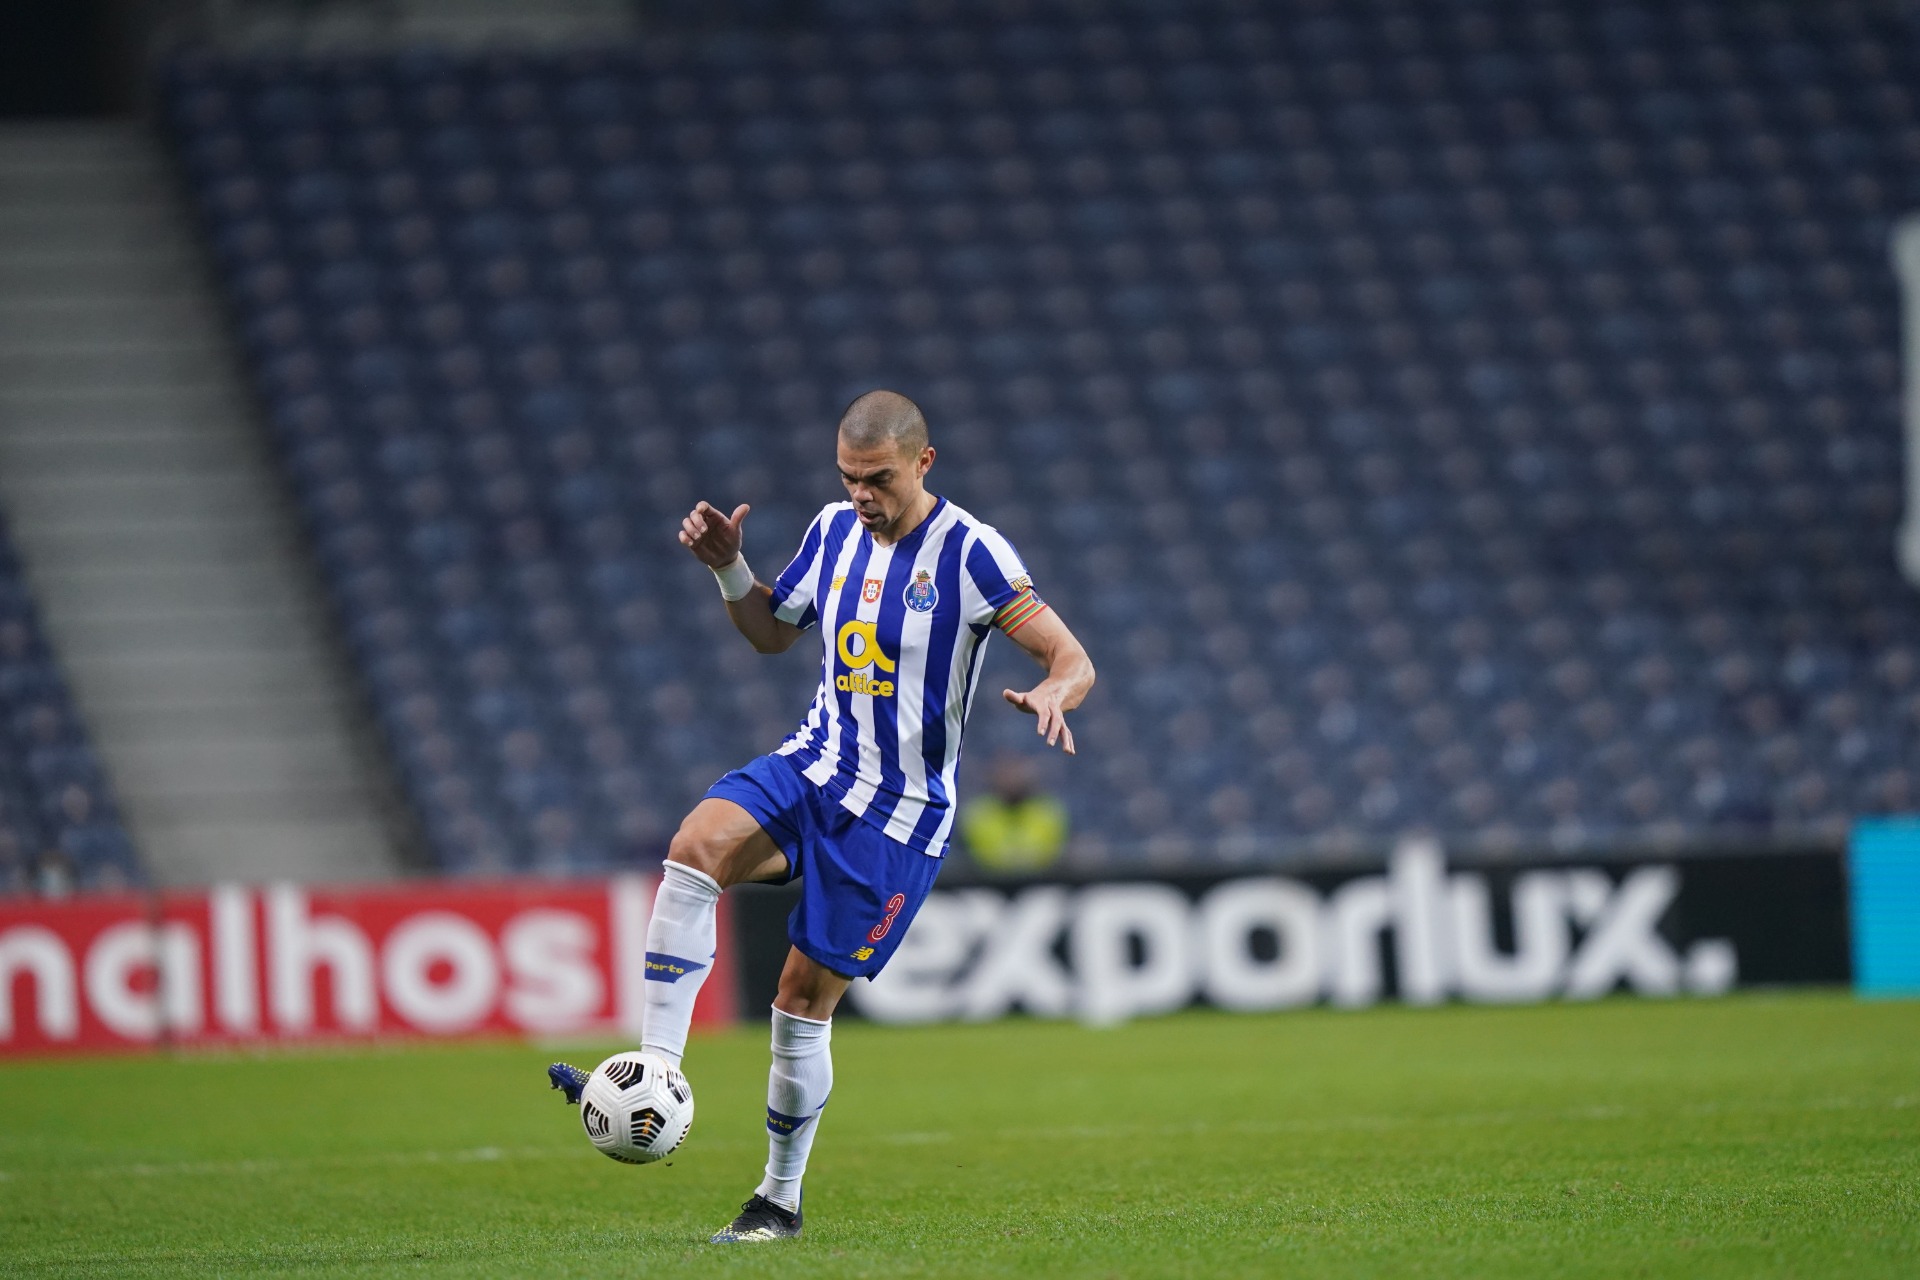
635 1108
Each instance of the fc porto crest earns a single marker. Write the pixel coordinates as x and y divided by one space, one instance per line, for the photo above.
921 595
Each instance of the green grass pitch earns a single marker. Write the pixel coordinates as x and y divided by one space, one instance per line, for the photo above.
1752 1136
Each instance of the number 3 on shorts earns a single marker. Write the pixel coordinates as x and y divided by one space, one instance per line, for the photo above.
894 904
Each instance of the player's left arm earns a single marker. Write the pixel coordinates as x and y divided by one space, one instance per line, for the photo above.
1069 675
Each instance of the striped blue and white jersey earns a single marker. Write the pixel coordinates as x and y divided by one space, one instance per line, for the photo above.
903 629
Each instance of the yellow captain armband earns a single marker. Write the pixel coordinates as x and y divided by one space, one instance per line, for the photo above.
1019 611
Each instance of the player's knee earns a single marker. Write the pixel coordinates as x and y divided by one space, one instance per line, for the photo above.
691 849
808 989
806 1004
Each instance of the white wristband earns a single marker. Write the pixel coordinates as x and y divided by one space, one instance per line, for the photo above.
736 580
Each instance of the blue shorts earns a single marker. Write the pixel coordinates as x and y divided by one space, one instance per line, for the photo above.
859 889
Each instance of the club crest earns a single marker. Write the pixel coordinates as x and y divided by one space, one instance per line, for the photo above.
921 595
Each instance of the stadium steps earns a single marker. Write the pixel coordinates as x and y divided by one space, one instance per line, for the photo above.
153 525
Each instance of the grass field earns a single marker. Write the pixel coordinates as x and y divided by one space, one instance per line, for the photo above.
1752 1136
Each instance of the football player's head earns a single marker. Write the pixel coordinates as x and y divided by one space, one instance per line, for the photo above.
884 458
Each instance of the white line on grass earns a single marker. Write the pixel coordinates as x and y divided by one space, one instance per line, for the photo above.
218 1168
1095 1133
1332 1124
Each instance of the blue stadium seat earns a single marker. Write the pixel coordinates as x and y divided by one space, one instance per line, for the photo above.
1539 362
59 826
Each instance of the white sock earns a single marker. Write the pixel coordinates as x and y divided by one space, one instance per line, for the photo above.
680 947
797 1088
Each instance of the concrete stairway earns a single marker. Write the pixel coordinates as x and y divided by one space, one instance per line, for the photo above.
157 536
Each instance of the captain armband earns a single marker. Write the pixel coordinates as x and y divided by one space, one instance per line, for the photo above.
1019 611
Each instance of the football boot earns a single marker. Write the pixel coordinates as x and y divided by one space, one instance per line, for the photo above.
567 1079
760 1219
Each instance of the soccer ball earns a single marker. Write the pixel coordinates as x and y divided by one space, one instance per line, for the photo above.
635 1108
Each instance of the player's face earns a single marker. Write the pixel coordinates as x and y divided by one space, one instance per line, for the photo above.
883 483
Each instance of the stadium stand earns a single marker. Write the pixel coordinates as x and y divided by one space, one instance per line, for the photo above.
59 826
1472 417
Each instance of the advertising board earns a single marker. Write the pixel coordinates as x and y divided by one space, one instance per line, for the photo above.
1418 930
236 964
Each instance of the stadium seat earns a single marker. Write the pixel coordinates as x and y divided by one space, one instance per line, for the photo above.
1470 422
59 827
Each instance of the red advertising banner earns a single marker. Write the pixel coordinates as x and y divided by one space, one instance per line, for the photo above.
284 962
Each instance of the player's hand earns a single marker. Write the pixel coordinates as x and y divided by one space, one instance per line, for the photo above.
1052 717
713 538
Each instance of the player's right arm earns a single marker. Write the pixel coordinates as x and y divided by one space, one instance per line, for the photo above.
714 538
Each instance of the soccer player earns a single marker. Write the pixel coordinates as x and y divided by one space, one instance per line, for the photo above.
858 804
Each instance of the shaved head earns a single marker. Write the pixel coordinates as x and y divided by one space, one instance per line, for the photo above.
883 457
884 419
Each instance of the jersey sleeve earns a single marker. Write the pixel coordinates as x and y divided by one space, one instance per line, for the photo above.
794 589
1001 578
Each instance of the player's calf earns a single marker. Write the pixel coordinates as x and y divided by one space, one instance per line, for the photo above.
681 942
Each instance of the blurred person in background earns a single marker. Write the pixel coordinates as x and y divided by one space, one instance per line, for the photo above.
93 848
53 874
1015 828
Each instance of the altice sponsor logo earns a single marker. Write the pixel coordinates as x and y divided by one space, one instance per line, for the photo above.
1113 951
863 660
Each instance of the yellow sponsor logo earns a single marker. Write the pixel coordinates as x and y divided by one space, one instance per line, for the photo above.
859 646
864 953
861 655
838 583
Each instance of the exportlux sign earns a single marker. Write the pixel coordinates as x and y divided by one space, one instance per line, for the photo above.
1417 930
